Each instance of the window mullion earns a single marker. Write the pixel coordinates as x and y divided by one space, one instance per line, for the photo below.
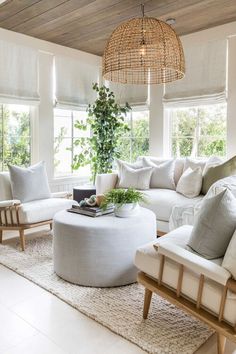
131 135
2 138
72 140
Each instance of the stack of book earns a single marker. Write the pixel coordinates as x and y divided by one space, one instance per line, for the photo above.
90 211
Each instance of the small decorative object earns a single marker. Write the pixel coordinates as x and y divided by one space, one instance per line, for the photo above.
143 50
88 201
106 120
126 201
100 198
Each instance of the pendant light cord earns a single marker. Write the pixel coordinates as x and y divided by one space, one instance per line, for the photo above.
142 9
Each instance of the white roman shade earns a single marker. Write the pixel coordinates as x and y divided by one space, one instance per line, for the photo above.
18 73
74 79
205 79
133 94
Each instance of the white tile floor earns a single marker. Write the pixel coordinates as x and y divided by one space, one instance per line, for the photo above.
33 321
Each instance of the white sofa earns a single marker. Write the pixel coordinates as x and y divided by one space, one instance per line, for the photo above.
160 201
15 215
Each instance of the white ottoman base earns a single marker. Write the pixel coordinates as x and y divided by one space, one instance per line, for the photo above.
99 252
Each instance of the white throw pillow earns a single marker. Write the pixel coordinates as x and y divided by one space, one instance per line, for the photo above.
29 183
214 225
162 174
190 183
194 164
229 261
139 179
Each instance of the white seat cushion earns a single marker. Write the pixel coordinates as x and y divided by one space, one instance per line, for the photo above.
161 202
147 260
42 210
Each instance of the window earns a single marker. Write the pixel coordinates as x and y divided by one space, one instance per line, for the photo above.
15 135
136 142
198 131
64 136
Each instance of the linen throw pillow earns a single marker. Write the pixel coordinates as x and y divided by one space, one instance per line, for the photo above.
229 260
214 225
29 183
162 174
215 173
190 183
139 179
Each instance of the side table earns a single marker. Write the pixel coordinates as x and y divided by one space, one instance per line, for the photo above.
84 191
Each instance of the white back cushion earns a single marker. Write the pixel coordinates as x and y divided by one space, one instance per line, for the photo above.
193 163
131 178
179 164
29 183
162 174
229 260
5 186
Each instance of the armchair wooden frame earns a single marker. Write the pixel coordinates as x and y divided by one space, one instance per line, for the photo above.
216 322
10 221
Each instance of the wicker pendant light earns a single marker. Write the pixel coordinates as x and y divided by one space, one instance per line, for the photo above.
143 51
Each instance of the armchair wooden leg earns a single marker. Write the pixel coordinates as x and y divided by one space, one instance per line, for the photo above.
22 239
221 340
50 226
147 301
1 232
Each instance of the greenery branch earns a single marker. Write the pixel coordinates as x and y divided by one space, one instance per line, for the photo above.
106 121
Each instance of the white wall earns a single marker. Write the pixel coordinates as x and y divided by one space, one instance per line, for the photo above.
43 114
231 106
159 139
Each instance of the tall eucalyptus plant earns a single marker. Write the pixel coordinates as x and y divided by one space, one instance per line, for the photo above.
106 123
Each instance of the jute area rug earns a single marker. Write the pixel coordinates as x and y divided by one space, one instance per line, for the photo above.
167 329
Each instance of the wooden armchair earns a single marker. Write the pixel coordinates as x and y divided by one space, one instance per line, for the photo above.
15 215
198 286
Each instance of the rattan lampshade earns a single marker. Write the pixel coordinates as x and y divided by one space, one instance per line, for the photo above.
143 51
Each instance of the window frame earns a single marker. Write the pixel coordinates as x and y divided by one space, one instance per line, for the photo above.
136 108
31 128
169 125
71 111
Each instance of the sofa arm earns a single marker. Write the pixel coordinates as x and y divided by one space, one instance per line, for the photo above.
195 263
105 182
9 203
64 194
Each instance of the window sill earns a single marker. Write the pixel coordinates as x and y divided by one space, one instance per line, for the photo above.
69 179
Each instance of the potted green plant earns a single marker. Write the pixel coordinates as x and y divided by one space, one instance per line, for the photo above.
106 121
126 201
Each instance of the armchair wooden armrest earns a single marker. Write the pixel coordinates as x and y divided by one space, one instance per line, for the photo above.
9 212
10 202
184 260
64 194
194 262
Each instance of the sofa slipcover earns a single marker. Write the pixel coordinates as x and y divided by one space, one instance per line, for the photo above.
161 202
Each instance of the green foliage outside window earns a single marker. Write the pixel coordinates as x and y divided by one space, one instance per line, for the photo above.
14 136
136 142
199 131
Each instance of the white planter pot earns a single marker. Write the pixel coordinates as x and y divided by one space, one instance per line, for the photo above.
126 210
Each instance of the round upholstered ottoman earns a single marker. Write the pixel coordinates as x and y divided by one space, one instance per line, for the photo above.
99 251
